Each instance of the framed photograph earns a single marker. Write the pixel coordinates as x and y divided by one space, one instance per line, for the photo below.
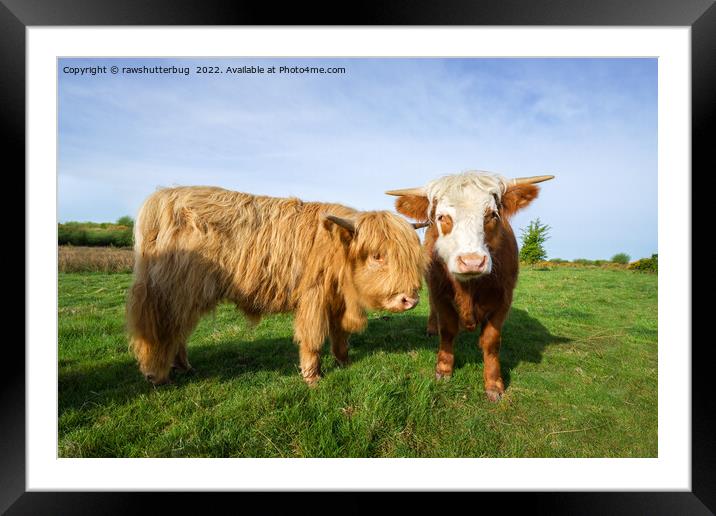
222 297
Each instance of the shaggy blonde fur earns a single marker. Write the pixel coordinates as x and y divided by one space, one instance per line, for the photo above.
198 246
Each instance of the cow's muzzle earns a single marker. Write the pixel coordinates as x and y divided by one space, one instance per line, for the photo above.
403 302
472 263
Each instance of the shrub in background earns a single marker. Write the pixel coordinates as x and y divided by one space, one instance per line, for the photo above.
125 221
583 261
93 234
533 239
646 264
622 258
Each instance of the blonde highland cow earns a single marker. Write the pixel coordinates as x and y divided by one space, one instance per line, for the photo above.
198 246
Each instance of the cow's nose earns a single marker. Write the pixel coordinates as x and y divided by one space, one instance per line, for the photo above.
409 301
472 263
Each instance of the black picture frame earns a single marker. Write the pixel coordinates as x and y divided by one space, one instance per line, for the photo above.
699 15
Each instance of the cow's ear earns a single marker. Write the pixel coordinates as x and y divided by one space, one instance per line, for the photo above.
518 197
413 206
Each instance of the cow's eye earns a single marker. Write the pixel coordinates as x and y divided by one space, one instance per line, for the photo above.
440 218
378 257
495 215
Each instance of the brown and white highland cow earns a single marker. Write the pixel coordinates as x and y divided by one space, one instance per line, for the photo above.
473 260
198 246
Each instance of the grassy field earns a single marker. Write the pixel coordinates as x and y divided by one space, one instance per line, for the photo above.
579 356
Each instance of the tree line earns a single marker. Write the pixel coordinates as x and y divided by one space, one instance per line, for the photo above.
97 234
533 251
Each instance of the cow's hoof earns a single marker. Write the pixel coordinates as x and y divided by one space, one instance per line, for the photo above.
493 395
343 363
431 332
312 381
442 376
156 382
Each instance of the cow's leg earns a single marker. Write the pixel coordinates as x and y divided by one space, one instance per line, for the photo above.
448 326
339 341
310 331
181 333
309 353
490 339
181 361
174 355
432 328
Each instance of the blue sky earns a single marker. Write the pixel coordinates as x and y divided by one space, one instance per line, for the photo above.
383 124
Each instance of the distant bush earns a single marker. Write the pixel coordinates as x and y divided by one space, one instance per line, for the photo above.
580 263
646 264
94 234
125 221
583 261
622 258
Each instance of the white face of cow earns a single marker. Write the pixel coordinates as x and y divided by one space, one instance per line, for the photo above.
465 207
465 211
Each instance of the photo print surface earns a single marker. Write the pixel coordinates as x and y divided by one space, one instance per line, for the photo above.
235 282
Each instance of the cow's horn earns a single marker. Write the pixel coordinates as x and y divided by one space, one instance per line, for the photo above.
344 223
420 225
530 180
420 192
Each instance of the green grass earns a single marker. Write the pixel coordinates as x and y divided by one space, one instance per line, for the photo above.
579 356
